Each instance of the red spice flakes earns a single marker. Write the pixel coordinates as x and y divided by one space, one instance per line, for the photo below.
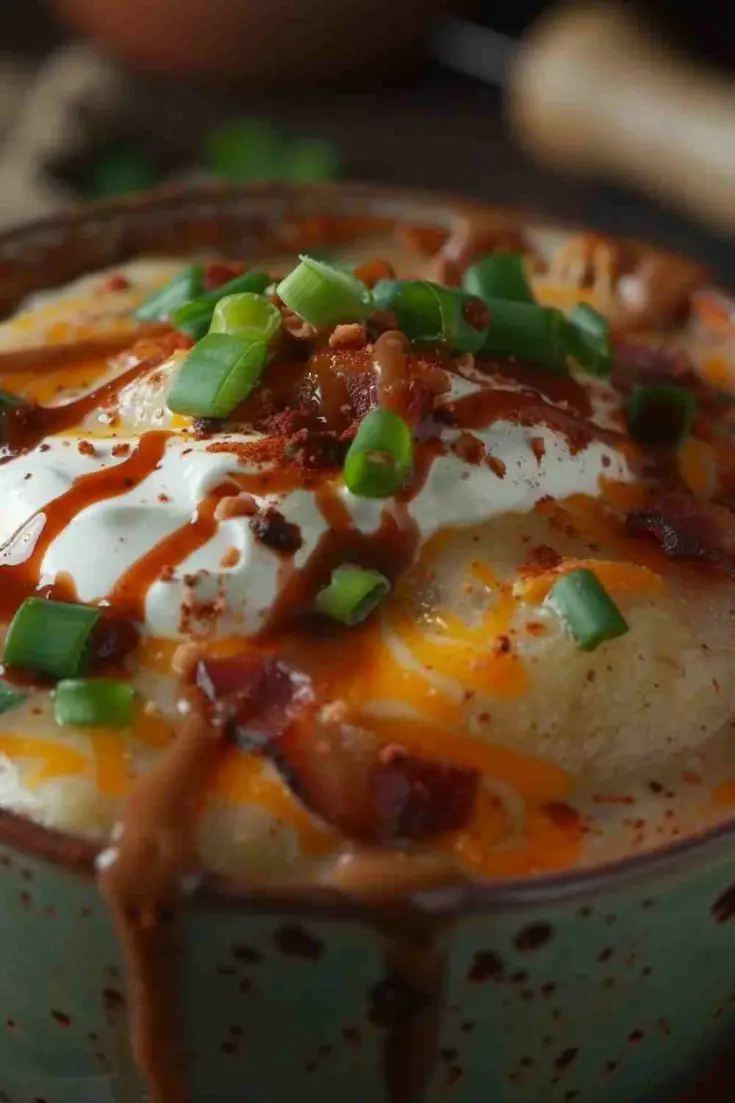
496 466
120 450
86 448
468 448
350 336
563 815
690 777
536 628
502 645
611 798
117 282
538 447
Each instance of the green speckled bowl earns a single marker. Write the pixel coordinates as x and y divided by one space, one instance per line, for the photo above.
606 986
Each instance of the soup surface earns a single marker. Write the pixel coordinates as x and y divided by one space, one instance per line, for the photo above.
497 633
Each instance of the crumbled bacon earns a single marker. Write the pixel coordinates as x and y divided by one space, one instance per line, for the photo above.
272 529
688 528
258 696
117 282
370 792
350 336
340 772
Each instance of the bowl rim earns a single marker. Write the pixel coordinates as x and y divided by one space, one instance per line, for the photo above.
79 855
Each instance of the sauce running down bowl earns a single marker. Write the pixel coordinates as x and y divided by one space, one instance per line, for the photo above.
525 669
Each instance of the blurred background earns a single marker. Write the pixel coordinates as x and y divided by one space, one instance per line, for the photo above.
99 97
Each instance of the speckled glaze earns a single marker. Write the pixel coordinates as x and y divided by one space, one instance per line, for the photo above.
610 986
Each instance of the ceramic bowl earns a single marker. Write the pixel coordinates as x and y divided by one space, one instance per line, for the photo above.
599 986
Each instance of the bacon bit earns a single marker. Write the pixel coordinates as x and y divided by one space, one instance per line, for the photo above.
416 798
235 505
350 336
230 557
544 557
373 271
272 529
217 273
86 448
120 450
113 639
298 327
469 448
371 793
502 645
657 293
497 466
117 282
258 697
688 528
538 446
474 235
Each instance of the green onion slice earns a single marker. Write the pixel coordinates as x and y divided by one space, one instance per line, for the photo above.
50 636
428 313
352 594
10 697
530 332
195 317
246 315
584 603
591 340
661 414
180 290
380 458
499 276
324 295
219 372
94 702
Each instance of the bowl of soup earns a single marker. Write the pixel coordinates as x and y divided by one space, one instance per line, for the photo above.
366 586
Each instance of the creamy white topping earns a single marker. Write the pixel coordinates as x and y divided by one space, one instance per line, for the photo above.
105 539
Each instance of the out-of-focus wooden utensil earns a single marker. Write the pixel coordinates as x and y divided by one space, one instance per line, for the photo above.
592 90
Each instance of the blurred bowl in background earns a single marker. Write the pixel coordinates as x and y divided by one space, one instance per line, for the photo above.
258 41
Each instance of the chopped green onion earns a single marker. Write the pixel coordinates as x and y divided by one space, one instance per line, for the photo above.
428 313
219 372
591 340
9 404
51 637
416 305
584 603
195 317
178 291
499 276
530 332
311 160
94 702
246 149
10 697
246 315
661 414
352 594
324 295
380 458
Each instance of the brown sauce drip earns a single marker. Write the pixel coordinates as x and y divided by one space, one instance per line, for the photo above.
129 592
143 886
21 557
391 365
480 410
47 358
